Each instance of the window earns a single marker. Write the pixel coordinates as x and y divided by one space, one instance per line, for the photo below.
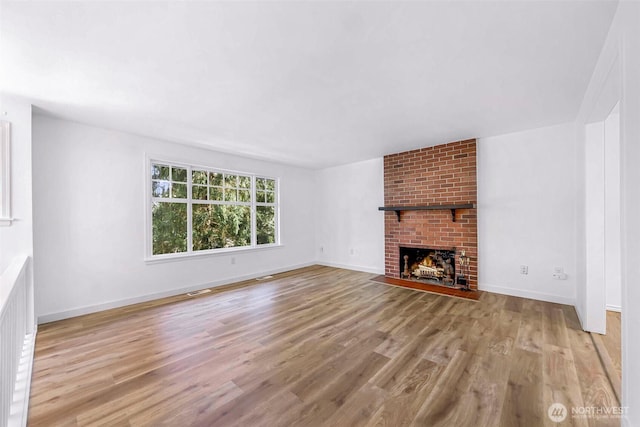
5 163
196 209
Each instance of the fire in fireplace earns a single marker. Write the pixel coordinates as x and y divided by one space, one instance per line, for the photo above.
436 266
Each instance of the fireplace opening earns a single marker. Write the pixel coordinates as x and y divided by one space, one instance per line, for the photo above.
435 266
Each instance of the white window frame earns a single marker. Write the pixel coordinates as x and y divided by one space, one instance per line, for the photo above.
5 173
189 201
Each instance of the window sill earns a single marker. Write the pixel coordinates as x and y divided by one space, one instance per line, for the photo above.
157 259
5 222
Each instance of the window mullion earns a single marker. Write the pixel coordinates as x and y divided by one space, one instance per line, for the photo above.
276 210
189 211
254 235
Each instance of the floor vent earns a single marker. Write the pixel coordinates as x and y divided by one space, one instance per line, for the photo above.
200 292
264 277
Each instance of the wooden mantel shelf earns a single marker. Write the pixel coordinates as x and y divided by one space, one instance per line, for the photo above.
452 208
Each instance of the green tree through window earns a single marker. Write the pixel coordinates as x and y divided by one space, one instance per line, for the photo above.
196 209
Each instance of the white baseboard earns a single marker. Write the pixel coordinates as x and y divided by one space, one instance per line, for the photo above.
611 307
52 317
527 294
352 267
20 405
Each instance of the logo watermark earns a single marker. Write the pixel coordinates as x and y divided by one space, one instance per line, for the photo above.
557 412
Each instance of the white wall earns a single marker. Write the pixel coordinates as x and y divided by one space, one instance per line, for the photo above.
89 194
602 94
628 20
526 216
621 52
17 239
594 316
612 243
350 229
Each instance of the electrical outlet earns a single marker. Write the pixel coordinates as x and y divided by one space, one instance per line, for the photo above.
321 249
352 251
524 269
559 274
233 260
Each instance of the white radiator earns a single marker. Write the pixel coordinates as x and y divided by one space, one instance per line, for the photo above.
17 339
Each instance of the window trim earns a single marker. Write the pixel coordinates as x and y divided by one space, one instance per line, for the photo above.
5 173
149 257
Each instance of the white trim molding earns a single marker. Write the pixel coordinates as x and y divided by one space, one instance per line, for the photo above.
352 267
616 308
527 294
5 173
52 317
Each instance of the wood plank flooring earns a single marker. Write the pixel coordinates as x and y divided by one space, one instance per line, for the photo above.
612 341
609 349
318 347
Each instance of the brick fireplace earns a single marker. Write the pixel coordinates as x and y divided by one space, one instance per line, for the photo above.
443 175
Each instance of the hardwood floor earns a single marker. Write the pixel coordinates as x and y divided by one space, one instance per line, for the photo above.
318 346
609 349
613 340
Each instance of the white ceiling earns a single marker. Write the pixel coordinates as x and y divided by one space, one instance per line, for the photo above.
308 83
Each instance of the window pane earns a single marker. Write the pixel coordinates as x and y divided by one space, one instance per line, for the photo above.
244 182
270 185
199 192
199 177
270 197
159 172
260 183
160 188
260 197
179 175
215 193
215 179
244 195
179 191
265 225
230 181
230 195
205 228
221 226
169 221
